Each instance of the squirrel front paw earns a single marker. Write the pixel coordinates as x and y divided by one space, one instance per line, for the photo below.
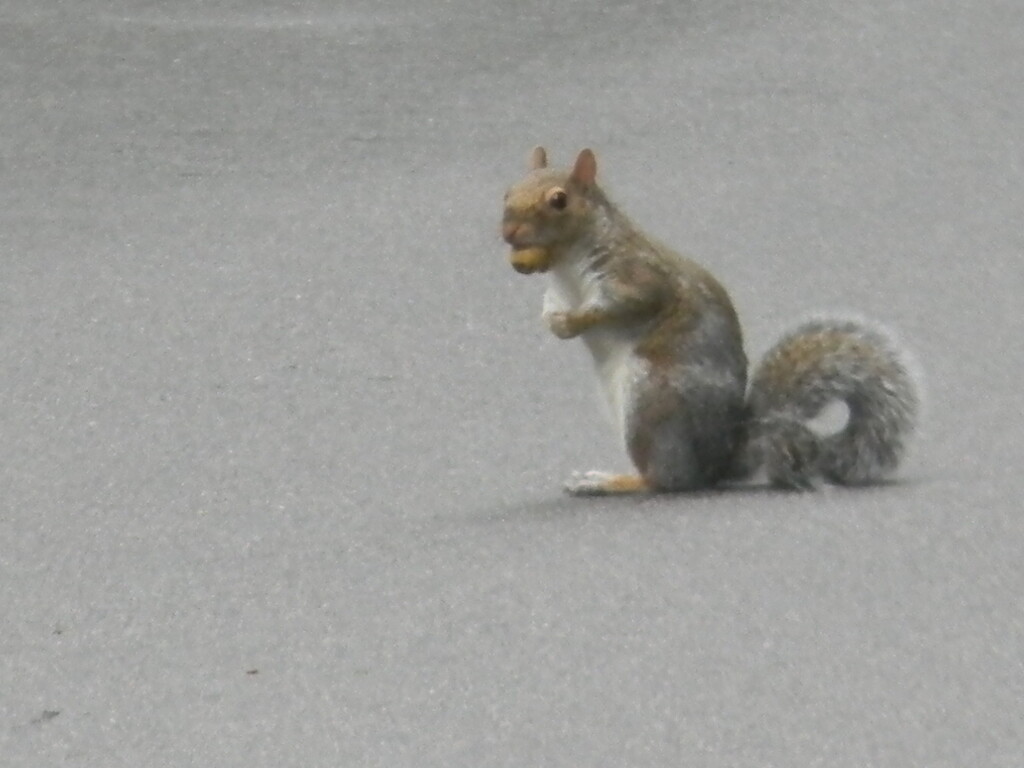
561 324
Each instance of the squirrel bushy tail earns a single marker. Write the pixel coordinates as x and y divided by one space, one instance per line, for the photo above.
820 362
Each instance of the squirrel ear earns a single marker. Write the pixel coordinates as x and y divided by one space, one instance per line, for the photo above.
585 170
538 159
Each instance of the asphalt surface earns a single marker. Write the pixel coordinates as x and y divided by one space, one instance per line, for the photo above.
283 435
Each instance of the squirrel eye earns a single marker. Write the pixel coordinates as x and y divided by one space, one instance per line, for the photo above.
557 199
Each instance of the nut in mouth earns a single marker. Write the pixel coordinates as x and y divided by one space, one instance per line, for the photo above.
528 260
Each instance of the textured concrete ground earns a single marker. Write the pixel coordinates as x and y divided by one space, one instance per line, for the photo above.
282 434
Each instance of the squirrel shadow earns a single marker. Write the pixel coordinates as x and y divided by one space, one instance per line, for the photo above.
708 500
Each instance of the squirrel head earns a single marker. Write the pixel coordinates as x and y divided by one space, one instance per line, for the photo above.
548 210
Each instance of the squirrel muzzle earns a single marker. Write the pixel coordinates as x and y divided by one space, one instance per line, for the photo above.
525 259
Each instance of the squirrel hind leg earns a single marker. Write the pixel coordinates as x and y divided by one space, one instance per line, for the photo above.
596 483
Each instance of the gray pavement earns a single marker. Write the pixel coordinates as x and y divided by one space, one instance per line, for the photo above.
282 434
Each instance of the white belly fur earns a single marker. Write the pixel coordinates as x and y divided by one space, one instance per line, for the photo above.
612 349
616 368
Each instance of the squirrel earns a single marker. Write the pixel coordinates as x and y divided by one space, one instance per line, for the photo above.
668 352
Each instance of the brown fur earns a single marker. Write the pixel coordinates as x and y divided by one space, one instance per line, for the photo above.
792 366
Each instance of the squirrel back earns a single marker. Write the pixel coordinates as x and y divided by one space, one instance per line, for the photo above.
668 351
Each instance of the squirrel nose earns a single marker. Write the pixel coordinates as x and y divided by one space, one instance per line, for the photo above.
508 230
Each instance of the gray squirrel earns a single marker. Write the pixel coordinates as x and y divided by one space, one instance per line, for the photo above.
668 352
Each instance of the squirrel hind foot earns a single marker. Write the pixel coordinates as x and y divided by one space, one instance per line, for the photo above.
595 483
